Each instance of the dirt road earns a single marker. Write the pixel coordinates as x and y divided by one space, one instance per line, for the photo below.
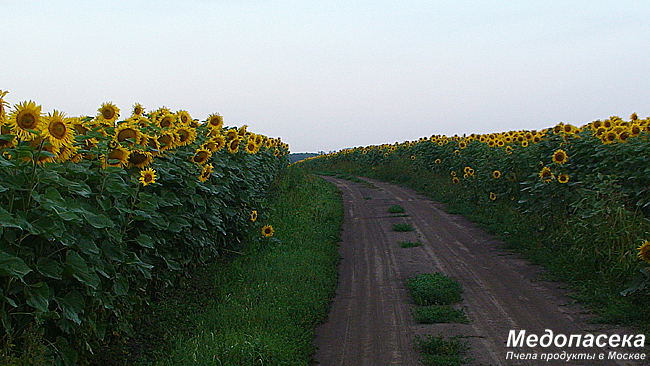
370 321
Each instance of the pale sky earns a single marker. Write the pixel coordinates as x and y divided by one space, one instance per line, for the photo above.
327 75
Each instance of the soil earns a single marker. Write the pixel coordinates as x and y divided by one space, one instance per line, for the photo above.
370 320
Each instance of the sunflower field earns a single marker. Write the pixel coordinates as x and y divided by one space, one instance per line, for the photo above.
581 195
98 213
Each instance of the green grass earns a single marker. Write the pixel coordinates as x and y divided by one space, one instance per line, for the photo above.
409 244
402 227
441 351
439 314
395 209
434 289
259 307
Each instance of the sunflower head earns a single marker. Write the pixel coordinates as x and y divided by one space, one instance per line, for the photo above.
267 231
215 121
493 196
128 133
560 156
108 114
117 157
251 147
58 130
185 135
147 176
184 118
166 141
496 174
644 251
201 156
563 178
455 180
138 110
254 215
233 145
546 175
3 106
139 158
207 171
26 121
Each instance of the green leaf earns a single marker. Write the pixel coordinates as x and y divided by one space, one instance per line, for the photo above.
87 246
81 271
145 241
7 219
8 300
13 266
72 305
49 268
38 296
121 286
98 221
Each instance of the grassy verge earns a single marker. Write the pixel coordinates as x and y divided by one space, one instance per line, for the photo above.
439 314
260 306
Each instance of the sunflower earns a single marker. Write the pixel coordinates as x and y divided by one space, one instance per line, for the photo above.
26 117
623 135
166 141
186 135
233 145
46 151
184 117
267 231
205 174
138 110
254 215
455 180
251 147
462 144
3 104
546 175
437 161
151 143
215 144
563 178
167 120
139 158
147 176
67 153
560 156
231 134
608 137
496 174
277 153
508 150
58 129
201 156
214 121
117 157
493 196
644 251
108 114
524 143
128 133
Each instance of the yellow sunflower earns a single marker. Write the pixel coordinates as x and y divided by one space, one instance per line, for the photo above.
166 141
108 114
560 156
138 110
3 105
267 231
167 120
147 176
254 215
139 158
184 117
214 121
26 117
4 130
233 145
455 180
437 161
546 175
186 135
201 156
563 178
58 130
493 196
117 157
644 251
496 174
128 133
215 144
251 147
207 171
45 151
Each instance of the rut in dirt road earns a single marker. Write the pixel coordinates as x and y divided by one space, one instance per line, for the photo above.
370 321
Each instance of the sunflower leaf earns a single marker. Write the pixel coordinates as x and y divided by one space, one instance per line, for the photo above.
81 271
13 266
38 296
98 221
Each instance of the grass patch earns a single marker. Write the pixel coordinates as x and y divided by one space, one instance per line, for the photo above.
257 307
401 227
409 244
441 351
395 209
434 289
439 314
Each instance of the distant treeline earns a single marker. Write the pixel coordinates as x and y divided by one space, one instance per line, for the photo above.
300 156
